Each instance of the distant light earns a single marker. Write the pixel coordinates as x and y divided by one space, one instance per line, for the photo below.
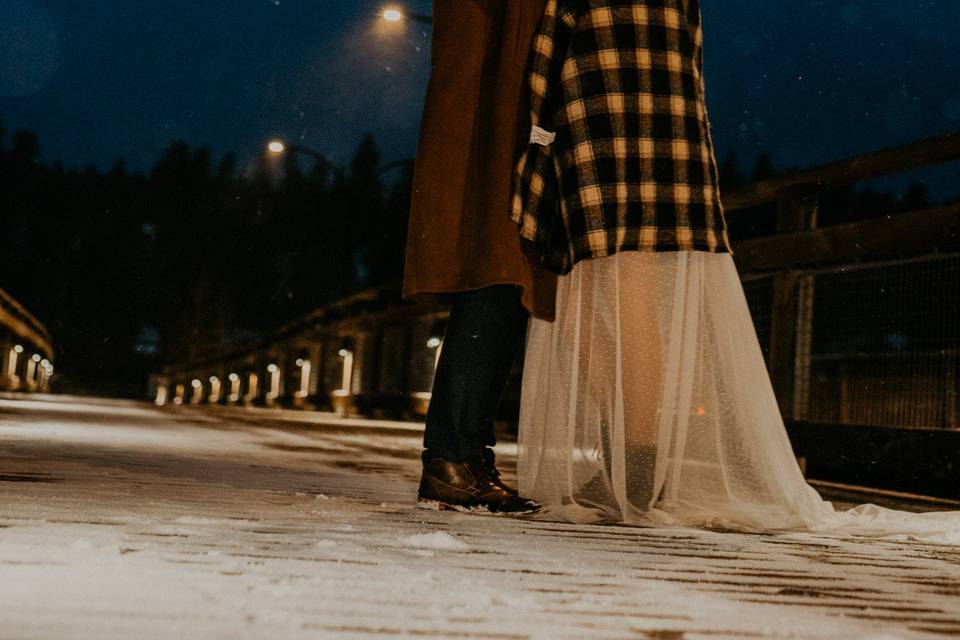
196 384
276 146
18 348
433 342
343 353
233 377
393 15
299 362
36 357
272 368
213 379
44 363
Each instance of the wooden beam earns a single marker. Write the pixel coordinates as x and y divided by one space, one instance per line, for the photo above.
902 236
915 155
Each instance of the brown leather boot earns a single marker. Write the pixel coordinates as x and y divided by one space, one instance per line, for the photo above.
468 487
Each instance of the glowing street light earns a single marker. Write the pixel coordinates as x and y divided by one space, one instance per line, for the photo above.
395 14
278 147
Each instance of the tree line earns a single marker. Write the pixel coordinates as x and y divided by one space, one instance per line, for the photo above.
132 270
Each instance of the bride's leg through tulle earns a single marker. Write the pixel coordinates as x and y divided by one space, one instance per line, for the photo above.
641 376
618 384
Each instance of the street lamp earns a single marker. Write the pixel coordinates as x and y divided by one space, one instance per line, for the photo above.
279 147
395 14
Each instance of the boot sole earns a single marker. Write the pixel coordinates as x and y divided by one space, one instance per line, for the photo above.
438 505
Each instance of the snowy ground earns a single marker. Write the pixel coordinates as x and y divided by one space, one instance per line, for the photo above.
122 521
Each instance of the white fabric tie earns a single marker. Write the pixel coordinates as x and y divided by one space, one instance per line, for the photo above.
541 136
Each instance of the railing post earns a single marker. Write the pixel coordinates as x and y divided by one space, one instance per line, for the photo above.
361 363
791 318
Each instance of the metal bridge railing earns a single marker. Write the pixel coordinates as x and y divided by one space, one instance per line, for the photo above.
884 342
860 322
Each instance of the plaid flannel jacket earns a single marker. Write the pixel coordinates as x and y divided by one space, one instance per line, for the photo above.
620 156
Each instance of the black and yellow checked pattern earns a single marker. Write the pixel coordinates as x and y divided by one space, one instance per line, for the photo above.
632 167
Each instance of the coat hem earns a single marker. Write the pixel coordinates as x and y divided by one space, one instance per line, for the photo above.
441 294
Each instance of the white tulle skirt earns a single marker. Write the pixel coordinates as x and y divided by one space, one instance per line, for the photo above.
648 401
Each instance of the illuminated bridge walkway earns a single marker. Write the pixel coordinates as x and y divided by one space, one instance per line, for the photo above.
121 520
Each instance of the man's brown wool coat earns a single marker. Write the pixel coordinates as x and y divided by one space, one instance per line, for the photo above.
461 236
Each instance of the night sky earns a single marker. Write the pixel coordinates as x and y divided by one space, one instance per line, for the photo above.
805 80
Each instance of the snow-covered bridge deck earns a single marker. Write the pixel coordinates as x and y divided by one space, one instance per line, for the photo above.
122 521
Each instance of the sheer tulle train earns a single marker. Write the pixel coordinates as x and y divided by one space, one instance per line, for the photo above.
648 401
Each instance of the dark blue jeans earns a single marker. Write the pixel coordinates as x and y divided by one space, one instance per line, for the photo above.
484 332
